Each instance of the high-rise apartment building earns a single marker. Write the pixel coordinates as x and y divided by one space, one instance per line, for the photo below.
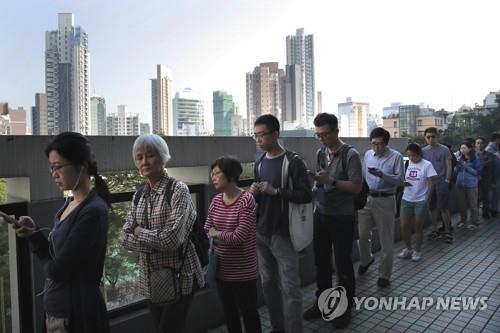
97 115
4 108
67 77
189 113
223 108
353 118
145 129
265 92
122 122
320 102
161 99
18 122
293 116
39 115
300 51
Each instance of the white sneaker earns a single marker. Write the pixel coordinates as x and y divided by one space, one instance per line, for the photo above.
405 253
416 256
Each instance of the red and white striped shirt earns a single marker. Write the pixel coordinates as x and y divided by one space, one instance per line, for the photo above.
237 250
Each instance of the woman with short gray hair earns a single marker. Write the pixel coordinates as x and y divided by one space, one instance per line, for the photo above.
158 227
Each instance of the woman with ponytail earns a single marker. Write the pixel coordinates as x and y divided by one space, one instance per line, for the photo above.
73 254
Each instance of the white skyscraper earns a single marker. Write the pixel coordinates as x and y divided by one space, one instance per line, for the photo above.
300 51
189 117
161 100
67 77
97 115
122 122
353 118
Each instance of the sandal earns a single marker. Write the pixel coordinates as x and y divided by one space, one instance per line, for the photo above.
448 238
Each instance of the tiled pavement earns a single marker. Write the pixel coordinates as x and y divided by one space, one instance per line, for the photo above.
468 267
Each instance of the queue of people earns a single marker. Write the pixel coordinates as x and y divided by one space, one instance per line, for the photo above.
250 229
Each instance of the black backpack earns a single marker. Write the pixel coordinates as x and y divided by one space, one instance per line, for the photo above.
359 198
197 235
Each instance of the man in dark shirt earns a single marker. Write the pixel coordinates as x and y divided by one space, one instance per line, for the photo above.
487 175
278 260
334 215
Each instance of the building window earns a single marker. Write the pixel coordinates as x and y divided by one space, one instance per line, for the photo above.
395 124
419 122
420 132
395 134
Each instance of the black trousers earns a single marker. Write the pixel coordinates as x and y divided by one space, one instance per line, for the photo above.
338 230
171 318
240 297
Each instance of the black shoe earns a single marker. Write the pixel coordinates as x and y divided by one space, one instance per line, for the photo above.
312 313
342 321
362 269
486 215
382 283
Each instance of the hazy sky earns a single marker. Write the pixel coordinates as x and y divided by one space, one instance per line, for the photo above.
442 53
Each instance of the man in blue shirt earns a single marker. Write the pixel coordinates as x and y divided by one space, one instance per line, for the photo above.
383 172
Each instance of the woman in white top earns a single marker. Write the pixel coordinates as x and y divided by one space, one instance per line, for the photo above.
417 193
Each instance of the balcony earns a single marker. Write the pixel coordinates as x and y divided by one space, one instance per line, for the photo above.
468 267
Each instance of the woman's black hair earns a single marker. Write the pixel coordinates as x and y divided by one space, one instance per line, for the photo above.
472 152
230 167
75 148
413 147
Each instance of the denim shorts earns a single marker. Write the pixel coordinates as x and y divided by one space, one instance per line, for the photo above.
419 208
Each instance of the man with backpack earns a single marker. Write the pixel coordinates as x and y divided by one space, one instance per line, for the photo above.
338 179
383 172
280 179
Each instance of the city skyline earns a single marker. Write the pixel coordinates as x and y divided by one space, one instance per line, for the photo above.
378 53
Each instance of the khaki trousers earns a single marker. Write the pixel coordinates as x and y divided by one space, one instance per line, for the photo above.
378 212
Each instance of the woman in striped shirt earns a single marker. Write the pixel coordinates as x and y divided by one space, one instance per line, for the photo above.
231 224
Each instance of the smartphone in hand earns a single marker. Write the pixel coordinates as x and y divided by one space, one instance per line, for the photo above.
10 220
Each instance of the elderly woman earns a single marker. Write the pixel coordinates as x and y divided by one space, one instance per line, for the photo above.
231 223
158 227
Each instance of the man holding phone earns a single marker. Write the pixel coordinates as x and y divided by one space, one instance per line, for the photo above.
383 172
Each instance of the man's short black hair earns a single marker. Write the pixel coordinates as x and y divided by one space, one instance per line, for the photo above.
494 137
324 118
432 130
272 123
379 132
230 167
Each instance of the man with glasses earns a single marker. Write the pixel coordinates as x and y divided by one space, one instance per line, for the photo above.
440 157
278 260
334 220
383 172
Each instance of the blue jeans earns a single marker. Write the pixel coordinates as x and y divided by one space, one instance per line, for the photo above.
280 275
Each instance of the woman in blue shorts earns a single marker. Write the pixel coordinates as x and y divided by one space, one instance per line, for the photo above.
417 193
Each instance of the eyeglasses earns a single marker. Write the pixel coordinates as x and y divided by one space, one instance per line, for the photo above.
218 173
257 136
430 136
57 168
323 135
